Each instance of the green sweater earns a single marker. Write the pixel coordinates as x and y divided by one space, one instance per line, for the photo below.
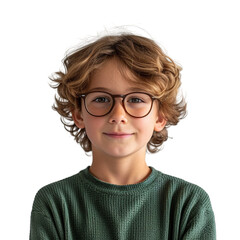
83 207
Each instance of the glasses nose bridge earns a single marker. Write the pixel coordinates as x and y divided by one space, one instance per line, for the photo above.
118 96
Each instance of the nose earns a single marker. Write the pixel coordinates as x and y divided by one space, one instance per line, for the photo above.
118 114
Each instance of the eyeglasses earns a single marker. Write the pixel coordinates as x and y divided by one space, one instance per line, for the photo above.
136 104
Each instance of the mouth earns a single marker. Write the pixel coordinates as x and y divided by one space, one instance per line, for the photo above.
118 135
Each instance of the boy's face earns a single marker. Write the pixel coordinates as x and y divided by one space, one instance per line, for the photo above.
103 132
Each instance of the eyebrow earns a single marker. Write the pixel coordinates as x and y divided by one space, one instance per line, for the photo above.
110 90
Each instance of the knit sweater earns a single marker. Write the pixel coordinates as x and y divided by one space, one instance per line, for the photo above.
84 207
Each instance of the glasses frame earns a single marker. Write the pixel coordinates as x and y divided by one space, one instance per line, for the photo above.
123 96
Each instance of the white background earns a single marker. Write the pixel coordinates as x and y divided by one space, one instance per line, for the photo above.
202 36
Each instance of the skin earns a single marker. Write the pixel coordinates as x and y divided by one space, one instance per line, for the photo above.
117 159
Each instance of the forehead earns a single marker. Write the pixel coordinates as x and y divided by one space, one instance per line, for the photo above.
114 77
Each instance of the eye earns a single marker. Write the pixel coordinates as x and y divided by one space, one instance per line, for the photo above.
101 100
135 100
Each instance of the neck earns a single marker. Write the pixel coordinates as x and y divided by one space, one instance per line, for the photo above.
120 171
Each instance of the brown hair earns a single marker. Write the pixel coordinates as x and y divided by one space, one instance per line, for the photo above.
149 66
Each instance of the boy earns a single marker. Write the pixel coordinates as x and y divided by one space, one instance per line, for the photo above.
119 94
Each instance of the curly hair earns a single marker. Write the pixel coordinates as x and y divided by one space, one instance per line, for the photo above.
149 65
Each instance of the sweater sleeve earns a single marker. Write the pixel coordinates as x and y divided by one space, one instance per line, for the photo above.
201 227
42 228
200 223
45 220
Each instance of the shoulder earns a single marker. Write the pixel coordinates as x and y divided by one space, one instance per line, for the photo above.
56 193
182 191
61 185
186 201
191 207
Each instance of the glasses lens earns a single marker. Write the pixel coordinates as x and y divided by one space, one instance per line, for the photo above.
98 103
138 104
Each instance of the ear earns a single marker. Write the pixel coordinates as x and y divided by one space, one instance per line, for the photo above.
78 118
160 123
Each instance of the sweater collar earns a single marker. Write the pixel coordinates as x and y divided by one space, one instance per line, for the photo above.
98 185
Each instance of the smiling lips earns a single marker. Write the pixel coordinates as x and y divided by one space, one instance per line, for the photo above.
118 135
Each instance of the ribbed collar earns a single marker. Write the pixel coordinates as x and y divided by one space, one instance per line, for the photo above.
100 186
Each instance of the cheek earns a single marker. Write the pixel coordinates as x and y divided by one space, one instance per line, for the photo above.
93 127
145 127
